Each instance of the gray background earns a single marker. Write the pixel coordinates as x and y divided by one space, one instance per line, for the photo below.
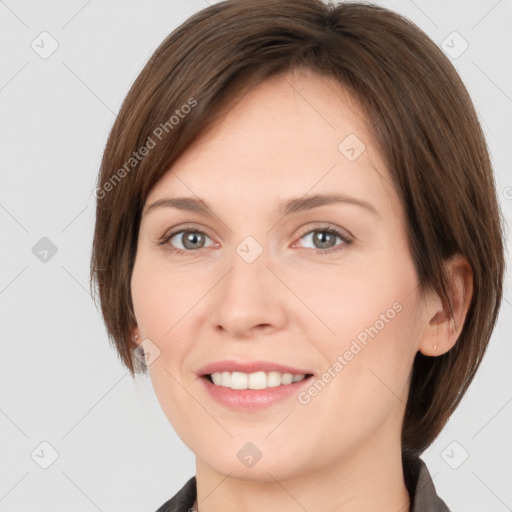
61 382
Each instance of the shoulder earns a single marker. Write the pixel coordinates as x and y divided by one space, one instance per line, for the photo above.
183 500
421 488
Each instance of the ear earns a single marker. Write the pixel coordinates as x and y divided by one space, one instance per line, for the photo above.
135 338
441 330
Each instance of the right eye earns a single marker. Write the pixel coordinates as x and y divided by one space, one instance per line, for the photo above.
185 240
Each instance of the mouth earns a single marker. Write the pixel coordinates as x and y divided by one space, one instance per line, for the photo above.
251 386
255 380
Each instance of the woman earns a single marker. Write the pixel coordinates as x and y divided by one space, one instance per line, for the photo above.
298 237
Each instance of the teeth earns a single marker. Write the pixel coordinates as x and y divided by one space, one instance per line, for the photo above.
239 380
273 379
257 380
217 378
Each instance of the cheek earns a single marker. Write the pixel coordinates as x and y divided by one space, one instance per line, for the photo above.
163 300
174 400
371 312
366 378
363 303
161 308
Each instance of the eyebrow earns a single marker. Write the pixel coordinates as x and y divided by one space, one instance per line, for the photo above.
287 207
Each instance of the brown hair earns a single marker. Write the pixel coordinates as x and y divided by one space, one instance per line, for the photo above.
423 122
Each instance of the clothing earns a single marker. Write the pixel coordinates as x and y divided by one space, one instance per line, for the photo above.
417 480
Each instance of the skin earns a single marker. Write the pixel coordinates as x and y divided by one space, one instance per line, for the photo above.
296 304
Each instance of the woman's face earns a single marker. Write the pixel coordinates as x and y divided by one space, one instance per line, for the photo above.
256 287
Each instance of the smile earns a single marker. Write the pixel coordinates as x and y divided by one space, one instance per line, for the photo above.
256 380
250 386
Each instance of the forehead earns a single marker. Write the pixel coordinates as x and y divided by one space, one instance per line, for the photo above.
292 134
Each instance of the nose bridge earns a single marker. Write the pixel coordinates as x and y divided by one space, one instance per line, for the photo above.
248 295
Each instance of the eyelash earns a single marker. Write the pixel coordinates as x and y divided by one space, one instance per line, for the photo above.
347 240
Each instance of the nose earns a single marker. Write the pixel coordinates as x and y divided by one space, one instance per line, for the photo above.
250 299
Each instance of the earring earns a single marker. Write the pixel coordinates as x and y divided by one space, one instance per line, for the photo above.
435 347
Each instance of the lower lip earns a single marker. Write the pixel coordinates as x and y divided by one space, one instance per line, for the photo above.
252 399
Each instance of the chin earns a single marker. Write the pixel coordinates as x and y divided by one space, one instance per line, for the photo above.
247 457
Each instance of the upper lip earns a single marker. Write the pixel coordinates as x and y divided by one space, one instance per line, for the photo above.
249 367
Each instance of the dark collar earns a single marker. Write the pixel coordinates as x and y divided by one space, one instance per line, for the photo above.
419 483
421 489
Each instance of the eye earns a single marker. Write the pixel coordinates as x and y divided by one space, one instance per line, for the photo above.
185 240
189 240
324 239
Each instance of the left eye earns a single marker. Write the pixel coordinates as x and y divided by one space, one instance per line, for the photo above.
325 238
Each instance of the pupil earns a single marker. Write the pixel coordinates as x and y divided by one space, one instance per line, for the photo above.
320 238
191 238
